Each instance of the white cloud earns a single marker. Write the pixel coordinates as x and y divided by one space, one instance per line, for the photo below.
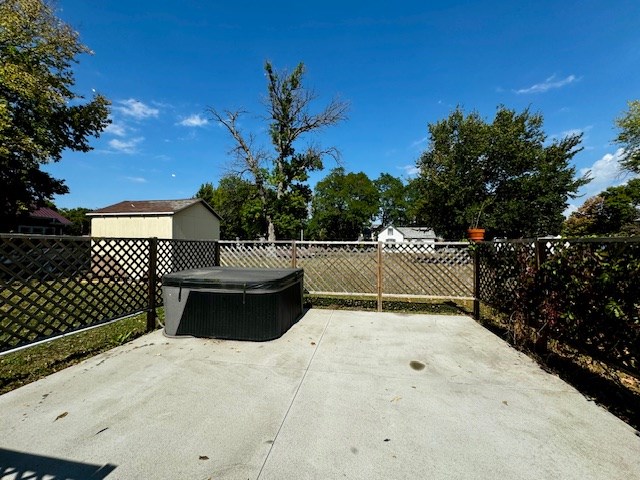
194 120
410 170
549 84
422 141
125 146
605 173
136 179
115 128
136 109
573 131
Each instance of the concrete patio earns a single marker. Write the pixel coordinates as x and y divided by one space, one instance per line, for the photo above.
343 394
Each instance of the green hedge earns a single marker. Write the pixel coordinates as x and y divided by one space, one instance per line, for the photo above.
584 294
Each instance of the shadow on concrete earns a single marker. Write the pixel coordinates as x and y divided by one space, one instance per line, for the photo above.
22 465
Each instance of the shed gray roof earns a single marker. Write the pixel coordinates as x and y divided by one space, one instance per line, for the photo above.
416 233
150 207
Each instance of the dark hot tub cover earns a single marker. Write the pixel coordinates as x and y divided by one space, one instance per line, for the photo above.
232 303
234 278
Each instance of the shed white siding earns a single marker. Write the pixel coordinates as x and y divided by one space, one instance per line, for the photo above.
132 226
195 223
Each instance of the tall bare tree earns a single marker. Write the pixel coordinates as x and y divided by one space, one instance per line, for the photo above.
280 176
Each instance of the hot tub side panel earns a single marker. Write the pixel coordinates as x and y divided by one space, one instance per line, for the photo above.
174 302
234 315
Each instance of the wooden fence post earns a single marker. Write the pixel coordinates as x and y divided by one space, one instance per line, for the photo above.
294 254
541 252
216 254
476 282
542 335
379 277
152 284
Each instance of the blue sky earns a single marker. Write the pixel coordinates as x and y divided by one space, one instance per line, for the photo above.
400 65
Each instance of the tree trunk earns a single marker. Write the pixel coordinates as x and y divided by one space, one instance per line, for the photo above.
271 230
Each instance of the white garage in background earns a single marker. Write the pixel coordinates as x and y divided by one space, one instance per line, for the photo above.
391 234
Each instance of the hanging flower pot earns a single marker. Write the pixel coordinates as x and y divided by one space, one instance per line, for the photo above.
475 234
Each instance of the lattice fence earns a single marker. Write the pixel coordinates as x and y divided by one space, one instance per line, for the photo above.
178 255
501 268
582 293
51 286
338 268
443 270
256 254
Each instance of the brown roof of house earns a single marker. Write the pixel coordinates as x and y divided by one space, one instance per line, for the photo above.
150 207
45 212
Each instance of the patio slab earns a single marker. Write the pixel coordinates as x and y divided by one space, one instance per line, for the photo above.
341 395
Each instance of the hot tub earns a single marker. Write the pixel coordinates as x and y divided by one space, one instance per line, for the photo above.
232 303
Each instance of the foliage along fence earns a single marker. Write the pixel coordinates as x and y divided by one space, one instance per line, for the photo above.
583 293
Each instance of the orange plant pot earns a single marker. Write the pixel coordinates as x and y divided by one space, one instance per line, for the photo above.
475 234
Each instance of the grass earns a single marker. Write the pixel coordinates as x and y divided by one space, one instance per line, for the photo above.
39 309
32 363
444 307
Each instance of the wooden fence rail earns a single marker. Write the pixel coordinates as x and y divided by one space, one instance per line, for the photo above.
366 269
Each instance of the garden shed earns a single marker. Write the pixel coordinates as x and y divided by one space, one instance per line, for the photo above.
190 219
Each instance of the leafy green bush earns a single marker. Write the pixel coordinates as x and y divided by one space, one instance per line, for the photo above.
584 294
590 296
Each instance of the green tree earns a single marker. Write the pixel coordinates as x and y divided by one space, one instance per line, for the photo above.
613 212
629 137
392 196
237 201
81 223
40 116
584 221
499 175
281 177
343 206
207 193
